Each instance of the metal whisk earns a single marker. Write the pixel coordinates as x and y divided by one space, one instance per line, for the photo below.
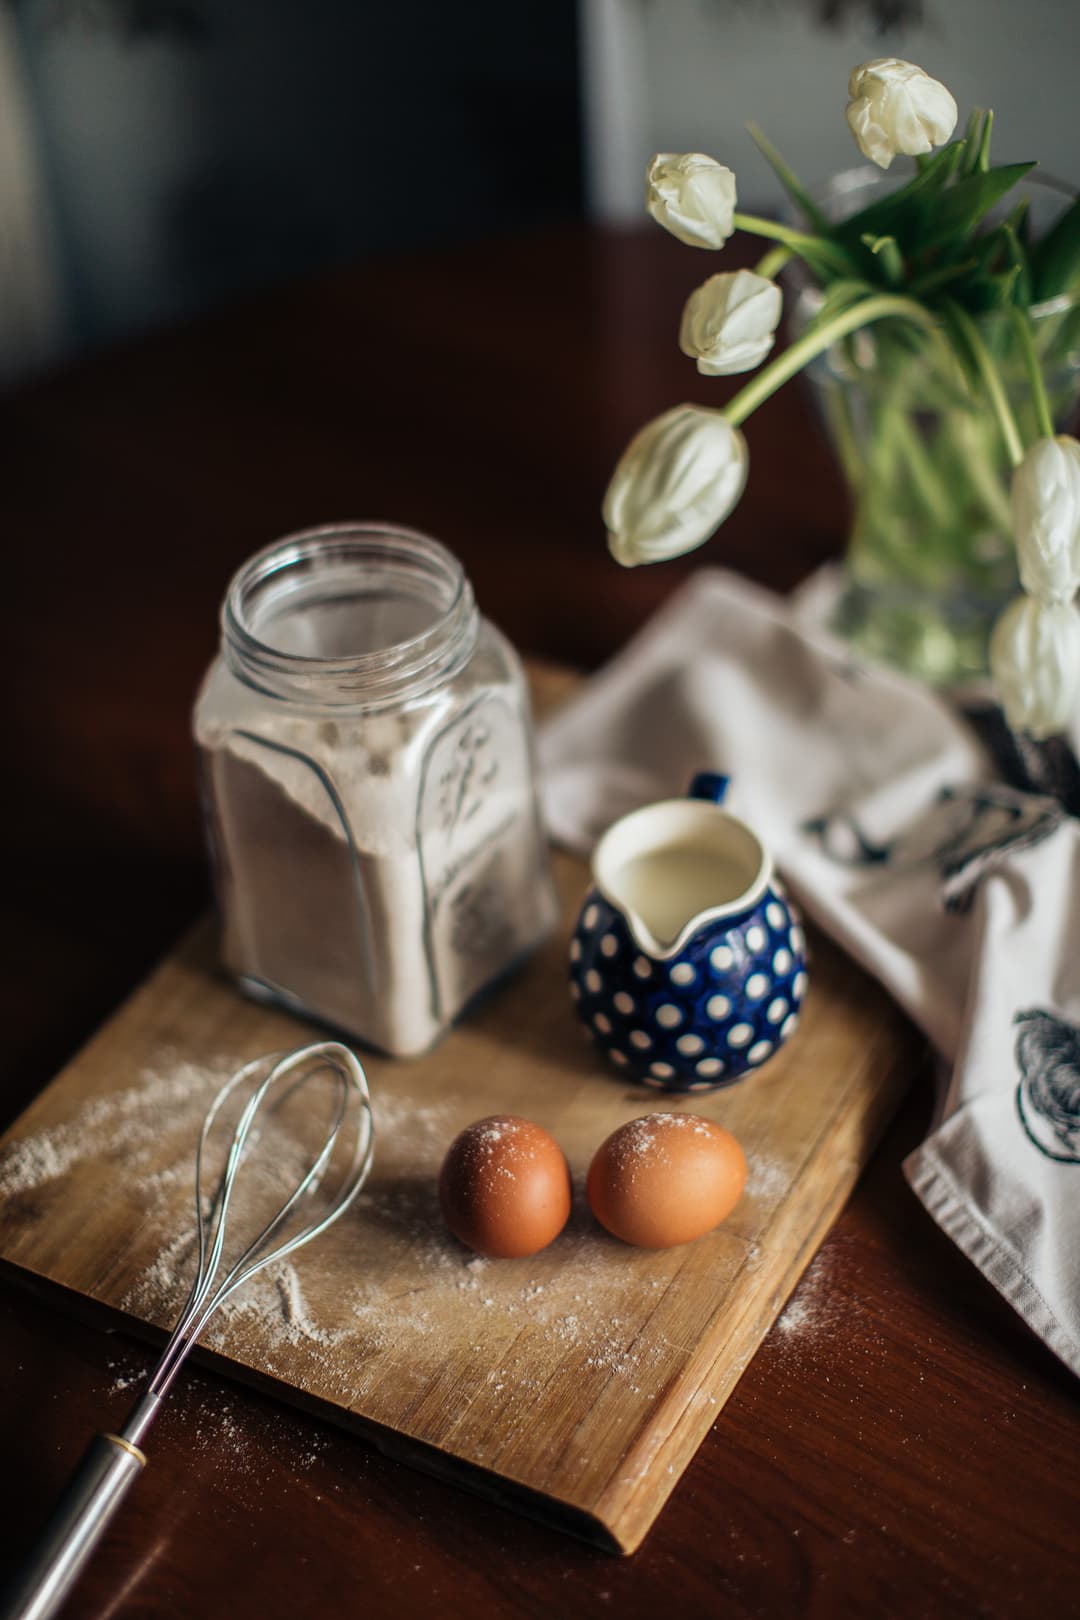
113 1461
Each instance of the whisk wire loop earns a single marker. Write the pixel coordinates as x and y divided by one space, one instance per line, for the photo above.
211 1218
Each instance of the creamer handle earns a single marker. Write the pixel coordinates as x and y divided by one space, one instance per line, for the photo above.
711 785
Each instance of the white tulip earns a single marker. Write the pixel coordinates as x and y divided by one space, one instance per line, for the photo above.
675 482
1035 661
729 323
1046 518
896 107
692 196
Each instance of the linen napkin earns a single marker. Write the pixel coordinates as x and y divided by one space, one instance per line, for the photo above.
956 890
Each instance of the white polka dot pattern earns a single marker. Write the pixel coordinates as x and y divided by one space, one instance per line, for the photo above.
703 1017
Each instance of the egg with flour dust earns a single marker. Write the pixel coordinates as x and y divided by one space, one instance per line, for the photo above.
665 1179
504 1187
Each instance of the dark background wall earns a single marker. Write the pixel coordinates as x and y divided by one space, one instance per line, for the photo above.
194 148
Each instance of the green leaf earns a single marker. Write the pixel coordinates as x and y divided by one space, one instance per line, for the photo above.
991 249
846 290
840 293
938 172
899 213
789 180
981 162
1055 261
1020 221
934 280
886 251
958 210
989 292
821 263
1017 260
971 141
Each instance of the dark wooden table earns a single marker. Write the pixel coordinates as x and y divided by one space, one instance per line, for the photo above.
900 1445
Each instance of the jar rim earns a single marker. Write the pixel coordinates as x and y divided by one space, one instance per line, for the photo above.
362 679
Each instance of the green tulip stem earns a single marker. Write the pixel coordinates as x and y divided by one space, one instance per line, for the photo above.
823 337
987 370
1022 327
935 497
771 263
818 246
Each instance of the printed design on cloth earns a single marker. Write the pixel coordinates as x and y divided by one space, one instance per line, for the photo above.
1048 1095
965 833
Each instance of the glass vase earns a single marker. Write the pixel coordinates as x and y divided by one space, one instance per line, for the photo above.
930 560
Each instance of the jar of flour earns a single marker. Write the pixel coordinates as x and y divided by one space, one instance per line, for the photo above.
366 753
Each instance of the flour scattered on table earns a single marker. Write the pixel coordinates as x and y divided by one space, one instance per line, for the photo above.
816 1306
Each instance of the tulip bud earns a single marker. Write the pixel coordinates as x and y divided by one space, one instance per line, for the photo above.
896 107
728 324
675 482
1035 661
692 196
1046 518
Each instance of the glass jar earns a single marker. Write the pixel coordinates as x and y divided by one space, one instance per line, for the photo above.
366 753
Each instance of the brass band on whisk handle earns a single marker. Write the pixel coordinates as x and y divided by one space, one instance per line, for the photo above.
113 1461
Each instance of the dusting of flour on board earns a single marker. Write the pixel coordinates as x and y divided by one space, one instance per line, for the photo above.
387 1278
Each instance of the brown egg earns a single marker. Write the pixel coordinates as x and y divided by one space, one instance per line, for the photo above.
504 1187
665 1179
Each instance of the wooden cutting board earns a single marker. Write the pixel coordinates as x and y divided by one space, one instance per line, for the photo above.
576 1384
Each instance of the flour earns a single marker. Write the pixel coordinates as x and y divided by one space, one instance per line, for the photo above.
172 1098
385 1299
815 1307
383 873
767 1178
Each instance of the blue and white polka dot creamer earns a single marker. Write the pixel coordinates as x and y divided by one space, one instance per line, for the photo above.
688 962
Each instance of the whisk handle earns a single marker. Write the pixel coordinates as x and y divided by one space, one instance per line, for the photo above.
94 1492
